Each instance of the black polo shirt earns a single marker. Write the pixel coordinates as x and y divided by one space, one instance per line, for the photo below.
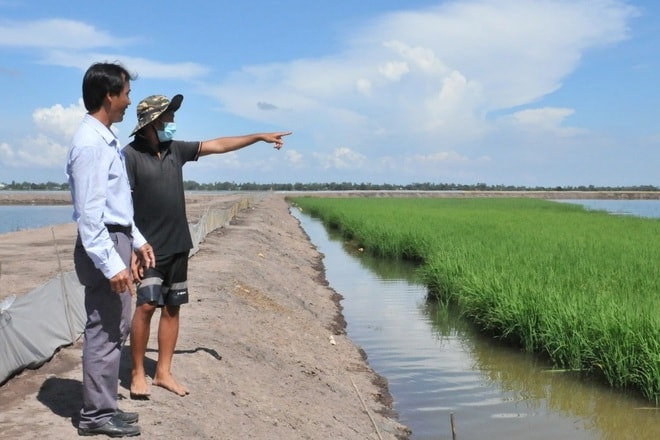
158 198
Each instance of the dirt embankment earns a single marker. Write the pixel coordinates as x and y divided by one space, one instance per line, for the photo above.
262 346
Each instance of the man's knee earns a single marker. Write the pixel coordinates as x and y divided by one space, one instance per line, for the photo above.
145 310
171 311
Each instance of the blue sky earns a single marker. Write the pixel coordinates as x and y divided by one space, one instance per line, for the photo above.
510 92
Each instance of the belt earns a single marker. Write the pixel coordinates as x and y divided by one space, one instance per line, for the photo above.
119 228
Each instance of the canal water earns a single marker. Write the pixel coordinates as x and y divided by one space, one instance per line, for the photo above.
437 366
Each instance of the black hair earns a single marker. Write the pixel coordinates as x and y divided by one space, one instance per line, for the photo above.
101 79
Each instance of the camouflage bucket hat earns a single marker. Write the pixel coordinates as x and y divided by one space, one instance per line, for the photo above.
151 107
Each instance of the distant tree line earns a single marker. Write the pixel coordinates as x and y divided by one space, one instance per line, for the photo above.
191 185
29 186
425 186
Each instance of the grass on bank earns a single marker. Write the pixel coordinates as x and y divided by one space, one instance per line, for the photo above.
581 287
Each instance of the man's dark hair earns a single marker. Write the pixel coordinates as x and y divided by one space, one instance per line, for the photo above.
101 79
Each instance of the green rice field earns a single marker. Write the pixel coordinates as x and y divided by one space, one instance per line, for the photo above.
579 287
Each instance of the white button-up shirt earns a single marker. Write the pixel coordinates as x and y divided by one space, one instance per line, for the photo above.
101 193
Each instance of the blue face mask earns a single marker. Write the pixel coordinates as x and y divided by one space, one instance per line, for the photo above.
167 133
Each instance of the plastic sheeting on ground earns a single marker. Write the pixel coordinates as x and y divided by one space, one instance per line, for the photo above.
35 325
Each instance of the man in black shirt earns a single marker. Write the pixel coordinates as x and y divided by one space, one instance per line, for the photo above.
154 163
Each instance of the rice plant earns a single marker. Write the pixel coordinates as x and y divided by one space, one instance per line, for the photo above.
580 287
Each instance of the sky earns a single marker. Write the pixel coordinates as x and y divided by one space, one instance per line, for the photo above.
498 92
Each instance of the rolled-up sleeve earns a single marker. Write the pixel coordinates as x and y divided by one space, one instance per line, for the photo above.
138 238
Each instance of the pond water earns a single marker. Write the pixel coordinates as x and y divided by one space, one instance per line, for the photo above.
639 208
20 217
437 366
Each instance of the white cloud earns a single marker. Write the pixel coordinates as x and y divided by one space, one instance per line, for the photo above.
542 117
440 156
56 33
72 43
158 70
228 160
454 110
546 119
38 151
363 86
54 128
342 158
394 70
59 121
294 158
431 74
423 58
145 68
7 153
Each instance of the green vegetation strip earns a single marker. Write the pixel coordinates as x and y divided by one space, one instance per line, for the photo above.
580 287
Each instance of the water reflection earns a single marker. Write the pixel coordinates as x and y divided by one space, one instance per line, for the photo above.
530 388
436 364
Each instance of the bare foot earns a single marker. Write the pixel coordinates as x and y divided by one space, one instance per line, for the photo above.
139 387
170 384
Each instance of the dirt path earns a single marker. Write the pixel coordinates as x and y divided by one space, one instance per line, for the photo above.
255 348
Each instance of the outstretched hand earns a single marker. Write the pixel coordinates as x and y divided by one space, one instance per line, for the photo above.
276 138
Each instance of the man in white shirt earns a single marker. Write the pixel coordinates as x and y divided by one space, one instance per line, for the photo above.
107 235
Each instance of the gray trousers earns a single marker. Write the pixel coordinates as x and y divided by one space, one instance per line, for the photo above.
107 329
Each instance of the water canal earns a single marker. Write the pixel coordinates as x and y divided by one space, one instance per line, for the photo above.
436 365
